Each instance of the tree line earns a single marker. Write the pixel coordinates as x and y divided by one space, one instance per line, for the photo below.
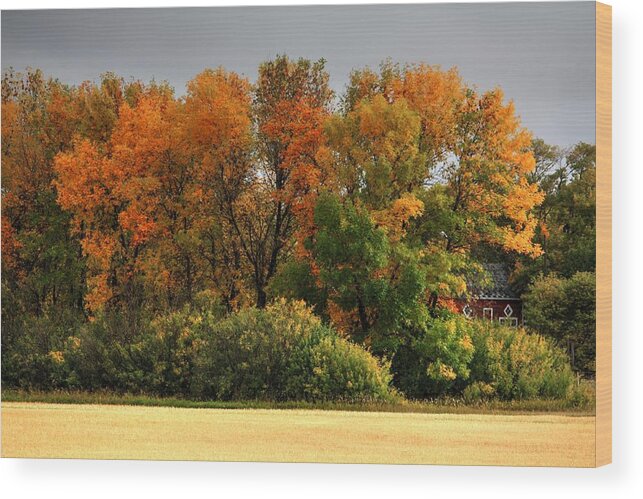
120 198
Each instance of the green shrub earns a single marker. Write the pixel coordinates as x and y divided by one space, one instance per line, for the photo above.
246 354
332 368
159 360
284 352
517 364
91 358
480 360
478 391
34 359
435 360
583 394
170 349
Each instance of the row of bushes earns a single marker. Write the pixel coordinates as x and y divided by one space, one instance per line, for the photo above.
284 352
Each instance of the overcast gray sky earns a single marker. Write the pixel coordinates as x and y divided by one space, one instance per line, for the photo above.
541 54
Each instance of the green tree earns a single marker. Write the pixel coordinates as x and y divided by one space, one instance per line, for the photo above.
572 223
373 286
567 216
565 309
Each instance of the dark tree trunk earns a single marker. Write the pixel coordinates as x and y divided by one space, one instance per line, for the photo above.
363 317
261 297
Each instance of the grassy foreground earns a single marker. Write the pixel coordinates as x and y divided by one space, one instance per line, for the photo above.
138 432
443 406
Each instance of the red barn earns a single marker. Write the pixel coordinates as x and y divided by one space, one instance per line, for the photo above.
495 300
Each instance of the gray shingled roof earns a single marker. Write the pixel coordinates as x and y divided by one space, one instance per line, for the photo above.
496 287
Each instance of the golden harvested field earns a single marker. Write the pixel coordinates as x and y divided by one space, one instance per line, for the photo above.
133 432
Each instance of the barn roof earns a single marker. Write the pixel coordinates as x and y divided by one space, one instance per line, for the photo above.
494 284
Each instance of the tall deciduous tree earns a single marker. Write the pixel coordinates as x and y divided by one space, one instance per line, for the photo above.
219 127
572 219
41 268
488 180
291 101
567 216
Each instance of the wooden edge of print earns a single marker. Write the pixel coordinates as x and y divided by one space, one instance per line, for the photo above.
603 234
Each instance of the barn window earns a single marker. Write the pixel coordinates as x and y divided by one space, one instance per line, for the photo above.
487 313
467 311
509 311
510 321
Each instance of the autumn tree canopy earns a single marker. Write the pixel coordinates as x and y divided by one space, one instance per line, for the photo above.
441 172
373 206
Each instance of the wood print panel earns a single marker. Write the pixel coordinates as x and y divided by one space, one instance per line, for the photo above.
603 234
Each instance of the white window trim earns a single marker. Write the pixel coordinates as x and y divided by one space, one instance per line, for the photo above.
485 310
510 312
467 311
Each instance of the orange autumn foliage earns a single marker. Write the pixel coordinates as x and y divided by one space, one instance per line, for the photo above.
491 177
128 196
218 123
216 190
